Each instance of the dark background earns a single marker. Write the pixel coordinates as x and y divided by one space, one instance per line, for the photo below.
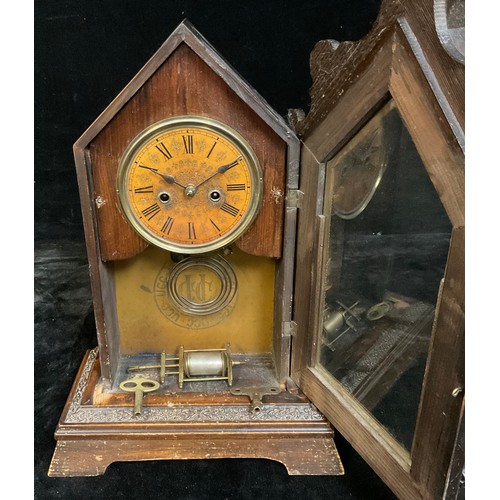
85 52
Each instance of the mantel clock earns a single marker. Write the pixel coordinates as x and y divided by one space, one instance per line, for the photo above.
258 282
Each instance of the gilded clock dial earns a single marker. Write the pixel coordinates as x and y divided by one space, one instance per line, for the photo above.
189 184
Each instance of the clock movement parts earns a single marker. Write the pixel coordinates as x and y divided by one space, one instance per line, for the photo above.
338 323
195 365
345 319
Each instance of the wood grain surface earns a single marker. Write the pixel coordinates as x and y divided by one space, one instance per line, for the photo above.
403 59
185 85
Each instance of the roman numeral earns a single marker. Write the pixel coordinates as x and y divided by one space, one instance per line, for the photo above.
151 211
191 231
145 189
215 225
163 150
166 228
188 143
230 209
211 149
236 187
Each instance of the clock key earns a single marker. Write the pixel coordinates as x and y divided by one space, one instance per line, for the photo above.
139 386
255 394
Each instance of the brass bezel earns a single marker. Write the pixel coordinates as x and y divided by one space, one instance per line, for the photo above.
199 122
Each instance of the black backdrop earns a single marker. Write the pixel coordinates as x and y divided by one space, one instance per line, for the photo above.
85 53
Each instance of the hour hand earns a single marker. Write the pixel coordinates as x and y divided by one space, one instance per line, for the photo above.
167 178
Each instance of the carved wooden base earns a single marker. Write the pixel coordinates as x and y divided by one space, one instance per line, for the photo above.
92 436
91 457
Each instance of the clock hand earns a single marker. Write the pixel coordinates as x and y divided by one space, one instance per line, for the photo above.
221 170
167 178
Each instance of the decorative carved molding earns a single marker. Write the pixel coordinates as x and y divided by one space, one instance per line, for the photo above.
436 27
79 413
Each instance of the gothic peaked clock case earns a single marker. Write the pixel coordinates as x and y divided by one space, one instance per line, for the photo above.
257 283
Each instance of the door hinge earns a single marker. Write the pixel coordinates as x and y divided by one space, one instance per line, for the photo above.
289 329
294 198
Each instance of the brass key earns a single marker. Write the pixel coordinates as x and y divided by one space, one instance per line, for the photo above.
139 386
255 394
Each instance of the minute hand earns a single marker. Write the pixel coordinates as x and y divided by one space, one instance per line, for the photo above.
221 170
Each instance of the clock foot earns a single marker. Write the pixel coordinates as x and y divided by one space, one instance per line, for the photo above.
79 458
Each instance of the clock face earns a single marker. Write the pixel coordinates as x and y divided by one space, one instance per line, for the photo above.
189 184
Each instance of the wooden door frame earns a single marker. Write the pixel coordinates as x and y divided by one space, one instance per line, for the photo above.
394 71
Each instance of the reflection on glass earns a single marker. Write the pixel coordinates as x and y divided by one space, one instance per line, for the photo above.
388 244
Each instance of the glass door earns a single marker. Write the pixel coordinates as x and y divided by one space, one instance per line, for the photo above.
386 245
379 285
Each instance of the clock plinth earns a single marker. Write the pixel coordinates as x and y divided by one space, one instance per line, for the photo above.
92 436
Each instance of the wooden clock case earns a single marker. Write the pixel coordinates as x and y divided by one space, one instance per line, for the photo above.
187 77
403 60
